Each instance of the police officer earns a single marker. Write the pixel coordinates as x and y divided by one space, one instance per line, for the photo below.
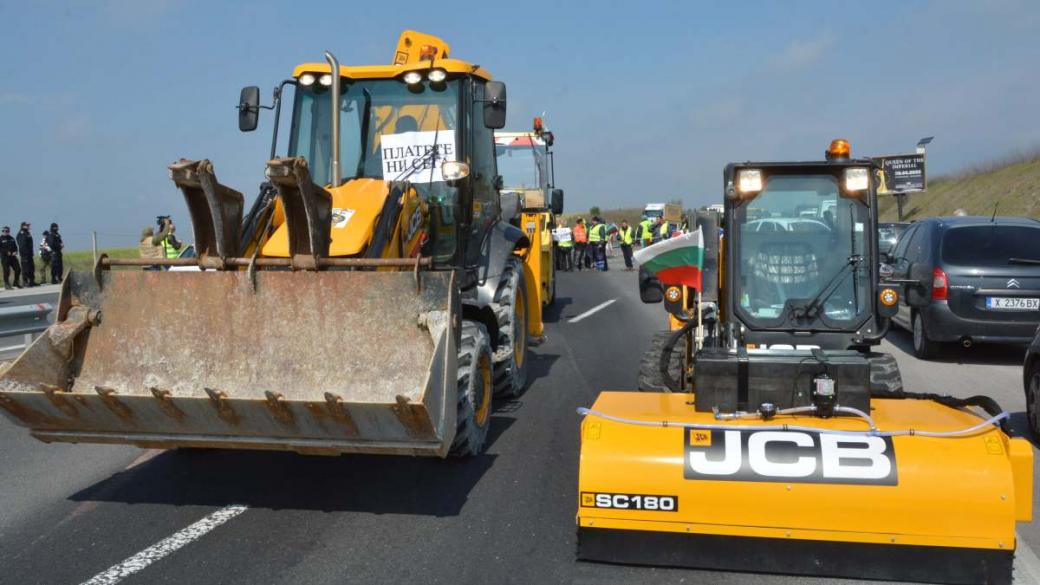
598 242
25 254
56 245
626 238
9 258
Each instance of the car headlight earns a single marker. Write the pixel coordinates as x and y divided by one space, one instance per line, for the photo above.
856 179
749 180
307 79
412 77
437 75
453 170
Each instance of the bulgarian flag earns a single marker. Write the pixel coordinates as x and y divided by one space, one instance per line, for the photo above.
675 261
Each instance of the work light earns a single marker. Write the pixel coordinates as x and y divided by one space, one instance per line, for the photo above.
307 79
453 170
749 180
412 77
325 80
856 179
437 75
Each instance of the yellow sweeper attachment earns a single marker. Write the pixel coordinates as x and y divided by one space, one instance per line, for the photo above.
663 484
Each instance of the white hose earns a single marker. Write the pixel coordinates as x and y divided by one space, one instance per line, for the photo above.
873 432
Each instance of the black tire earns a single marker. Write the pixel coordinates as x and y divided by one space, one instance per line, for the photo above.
1032 383
510 306
473 414
552 281
651 379
924 348
884 373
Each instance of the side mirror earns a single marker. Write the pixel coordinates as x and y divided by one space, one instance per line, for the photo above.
557 202
919 294
510 202
495 105
248 108
649 288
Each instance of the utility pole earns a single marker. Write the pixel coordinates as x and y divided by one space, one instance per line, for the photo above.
93 244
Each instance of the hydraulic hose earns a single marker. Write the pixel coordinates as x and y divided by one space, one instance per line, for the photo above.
873 432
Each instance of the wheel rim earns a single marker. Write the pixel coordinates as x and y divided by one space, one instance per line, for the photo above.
483 407
520 333
1034 395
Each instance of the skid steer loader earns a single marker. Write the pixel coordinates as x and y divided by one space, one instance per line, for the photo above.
766 446
527 166
371 300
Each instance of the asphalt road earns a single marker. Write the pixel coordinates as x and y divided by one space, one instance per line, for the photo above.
70 513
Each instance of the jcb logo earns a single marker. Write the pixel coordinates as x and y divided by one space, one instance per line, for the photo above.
788 456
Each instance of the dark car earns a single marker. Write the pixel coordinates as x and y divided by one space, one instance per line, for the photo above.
1031 380
888 235
968 280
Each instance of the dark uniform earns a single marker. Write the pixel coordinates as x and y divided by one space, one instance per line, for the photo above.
25 254
9 258
55 244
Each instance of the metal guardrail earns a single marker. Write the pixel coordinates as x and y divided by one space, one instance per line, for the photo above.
25 320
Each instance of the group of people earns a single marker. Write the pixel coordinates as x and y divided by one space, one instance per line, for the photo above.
585 247
17 254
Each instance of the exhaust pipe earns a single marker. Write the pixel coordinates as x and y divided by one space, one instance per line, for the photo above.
967 342
334 96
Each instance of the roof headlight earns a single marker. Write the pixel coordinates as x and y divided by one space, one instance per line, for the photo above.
749 181
307 79
325 80
437 75
412 77
453 170
856 179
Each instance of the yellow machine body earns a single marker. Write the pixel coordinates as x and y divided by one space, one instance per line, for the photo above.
943 493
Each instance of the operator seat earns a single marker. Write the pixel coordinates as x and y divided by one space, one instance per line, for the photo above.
783 270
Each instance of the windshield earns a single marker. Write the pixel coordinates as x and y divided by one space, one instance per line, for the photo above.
653 213
387 129
521 166
990 245
801 242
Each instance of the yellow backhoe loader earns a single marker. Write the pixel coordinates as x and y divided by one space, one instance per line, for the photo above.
371 300
769 436
530 196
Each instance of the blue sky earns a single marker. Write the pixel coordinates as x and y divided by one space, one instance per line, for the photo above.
648 100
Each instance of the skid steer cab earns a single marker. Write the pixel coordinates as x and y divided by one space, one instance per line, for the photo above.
370 300
770 437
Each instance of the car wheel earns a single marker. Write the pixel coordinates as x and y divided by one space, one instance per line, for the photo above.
1033 400
924 348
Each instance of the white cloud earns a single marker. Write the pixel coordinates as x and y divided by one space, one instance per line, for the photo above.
802 53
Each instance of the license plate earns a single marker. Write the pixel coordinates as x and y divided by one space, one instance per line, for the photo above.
1012 304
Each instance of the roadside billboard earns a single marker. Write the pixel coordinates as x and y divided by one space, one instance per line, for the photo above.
901 173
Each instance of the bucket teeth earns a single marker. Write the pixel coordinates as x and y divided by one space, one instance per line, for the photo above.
215 209
166 404
57 397
338 411
111 400
279 407
220 402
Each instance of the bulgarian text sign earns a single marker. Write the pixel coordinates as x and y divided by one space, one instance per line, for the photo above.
409 155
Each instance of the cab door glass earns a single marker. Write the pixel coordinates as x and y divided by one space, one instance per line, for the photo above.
482 174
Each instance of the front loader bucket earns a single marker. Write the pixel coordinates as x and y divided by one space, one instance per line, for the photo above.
325 362
663 484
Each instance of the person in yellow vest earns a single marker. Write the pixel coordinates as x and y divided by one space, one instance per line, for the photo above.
564 246
171 246
646 231
665 231
626 238
598 243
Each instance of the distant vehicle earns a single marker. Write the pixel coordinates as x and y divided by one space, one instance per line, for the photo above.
187 252
783 224
888 234
969 279
671 212
1031 381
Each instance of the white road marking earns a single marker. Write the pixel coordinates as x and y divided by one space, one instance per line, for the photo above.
592 311
165 547
1027 565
